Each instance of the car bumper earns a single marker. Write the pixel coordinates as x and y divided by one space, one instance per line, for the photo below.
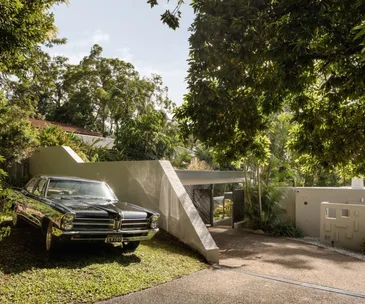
101 235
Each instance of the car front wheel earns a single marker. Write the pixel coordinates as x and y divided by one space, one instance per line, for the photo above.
16 219
130 246
50 239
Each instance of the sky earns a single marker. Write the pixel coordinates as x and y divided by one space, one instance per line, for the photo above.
131 31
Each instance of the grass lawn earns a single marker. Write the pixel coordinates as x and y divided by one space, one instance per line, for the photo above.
86 273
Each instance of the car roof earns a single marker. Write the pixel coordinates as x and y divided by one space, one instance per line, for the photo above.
72 178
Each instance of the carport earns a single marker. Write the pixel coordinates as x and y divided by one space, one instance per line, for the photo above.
200 186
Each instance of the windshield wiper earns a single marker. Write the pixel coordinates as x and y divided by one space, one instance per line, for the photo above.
87 197
71 197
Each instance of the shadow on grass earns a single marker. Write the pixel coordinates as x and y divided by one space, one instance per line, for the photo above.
166 241
24 250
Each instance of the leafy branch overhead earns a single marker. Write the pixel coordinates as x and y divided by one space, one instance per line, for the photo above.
171 18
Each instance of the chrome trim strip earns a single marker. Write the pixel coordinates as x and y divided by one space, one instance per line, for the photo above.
93 219
109 232
135 223
92 224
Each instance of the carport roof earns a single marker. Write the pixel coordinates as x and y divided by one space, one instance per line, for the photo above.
197 177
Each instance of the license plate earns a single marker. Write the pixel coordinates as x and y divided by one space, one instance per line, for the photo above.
113 239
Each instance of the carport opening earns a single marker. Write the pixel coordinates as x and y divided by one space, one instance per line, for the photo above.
208 192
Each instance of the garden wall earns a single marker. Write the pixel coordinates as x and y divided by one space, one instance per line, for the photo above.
151 184
343 225
308 205
288 203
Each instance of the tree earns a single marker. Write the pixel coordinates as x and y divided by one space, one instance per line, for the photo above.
17 136
25 24
249 58
150 136
99 93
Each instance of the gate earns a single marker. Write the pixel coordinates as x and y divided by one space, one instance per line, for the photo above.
202 198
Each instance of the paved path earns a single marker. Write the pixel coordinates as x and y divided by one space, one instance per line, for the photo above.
261 269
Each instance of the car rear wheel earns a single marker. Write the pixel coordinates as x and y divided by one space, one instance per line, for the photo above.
130 246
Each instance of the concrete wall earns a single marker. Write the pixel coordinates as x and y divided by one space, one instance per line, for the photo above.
343 224
288 203
151 184
308 205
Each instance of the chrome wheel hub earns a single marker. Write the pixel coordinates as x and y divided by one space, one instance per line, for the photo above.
15 218
49 238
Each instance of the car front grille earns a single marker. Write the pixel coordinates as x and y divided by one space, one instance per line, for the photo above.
135 224
93 224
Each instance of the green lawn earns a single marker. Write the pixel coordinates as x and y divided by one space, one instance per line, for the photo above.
84 273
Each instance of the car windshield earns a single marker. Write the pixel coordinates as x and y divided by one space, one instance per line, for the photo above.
69 189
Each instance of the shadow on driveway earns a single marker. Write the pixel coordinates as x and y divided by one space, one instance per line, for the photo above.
288 258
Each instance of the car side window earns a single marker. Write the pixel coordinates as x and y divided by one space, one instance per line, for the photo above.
29 187
38 190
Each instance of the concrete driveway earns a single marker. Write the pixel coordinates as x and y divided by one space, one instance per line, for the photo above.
261 269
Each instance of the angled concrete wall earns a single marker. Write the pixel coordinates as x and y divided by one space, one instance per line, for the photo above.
151 184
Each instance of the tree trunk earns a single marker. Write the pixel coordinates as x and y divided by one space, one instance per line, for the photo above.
246 182
259 192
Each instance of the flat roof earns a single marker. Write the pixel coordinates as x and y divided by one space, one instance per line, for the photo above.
197 177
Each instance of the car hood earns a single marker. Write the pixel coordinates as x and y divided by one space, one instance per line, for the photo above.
100 208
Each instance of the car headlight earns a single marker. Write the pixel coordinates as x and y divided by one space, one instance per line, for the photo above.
153 220
67 221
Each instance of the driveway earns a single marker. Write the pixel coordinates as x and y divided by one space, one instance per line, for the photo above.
261 269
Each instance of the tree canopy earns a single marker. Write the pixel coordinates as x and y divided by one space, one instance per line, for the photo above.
248 58
24 25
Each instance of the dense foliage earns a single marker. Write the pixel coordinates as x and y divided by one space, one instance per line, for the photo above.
25 24
249 58
17 137
271 219
54 136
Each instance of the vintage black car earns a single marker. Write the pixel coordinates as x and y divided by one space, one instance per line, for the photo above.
82 210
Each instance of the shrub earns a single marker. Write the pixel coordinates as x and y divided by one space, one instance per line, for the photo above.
271 209
286 228
218 212
4 231
55 136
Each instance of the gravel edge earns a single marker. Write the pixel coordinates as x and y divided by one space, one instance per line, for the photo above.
316 241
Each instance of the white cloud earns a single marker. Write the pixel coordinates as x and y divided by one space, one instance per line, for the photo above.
100 36
97 37
125 54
